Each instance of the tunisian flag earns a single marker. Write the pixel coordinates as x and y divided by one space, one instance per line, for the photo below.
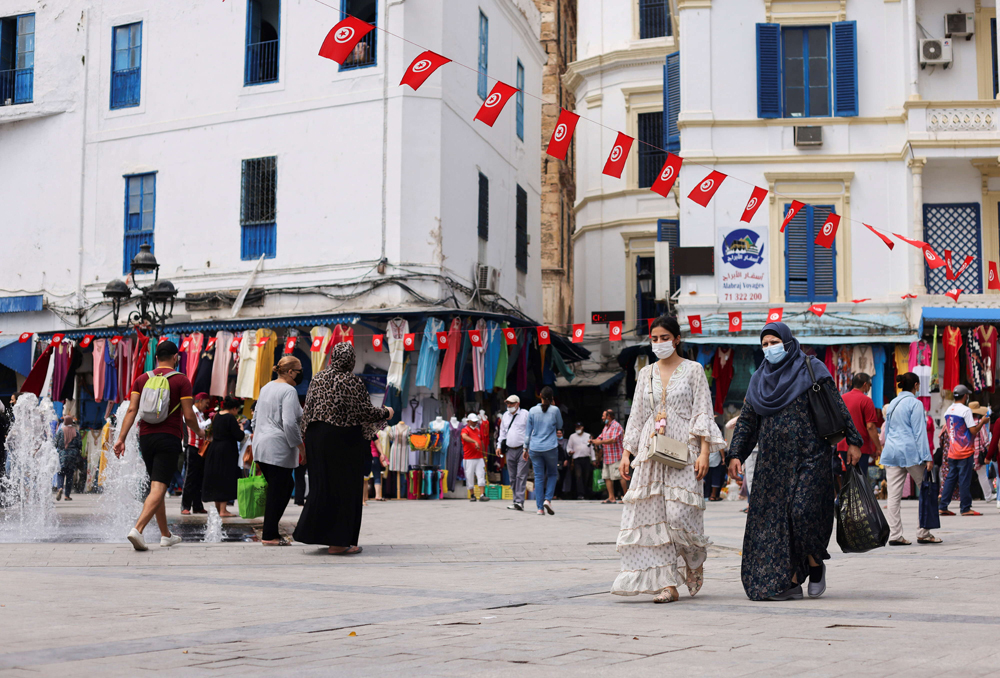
954 294
577 333
735 321
25 336
442 339
510 334
377 340
792 211
828 233
543 335
754 203
703 192
562 134
87 340
668 175
409 342
694 322
774 315
615 330
930 256
888 242
290 343
993 281
495 102
476 338
619 153
421 68
343 37
818 310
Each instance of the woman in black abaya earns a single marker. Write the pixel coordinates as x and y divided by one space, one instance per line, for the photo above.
339 421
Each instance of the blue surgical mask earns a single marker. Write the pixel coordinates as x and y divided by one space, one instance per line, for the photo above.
775 354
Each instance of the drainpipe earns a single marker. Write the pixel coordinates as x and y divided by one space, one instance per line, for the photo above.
83 183
913 51
385 132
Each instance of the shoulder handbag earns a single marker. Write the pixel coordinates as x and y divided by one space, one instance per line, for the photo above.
666 450
829 420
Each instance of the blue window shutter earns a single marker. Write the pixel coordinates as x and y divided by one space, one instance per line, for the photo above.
768 71
672 102
845 68
797 246
824 260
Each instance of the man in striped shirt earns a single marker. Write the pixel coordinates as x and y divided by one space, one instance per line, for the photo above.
611 443
194 463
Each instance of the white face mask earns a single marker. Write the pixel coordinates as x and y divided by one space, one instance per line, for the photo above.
512 409
579 431
663 349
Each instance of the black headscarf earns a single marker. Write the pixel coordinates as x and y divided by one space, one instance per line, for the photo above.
774 386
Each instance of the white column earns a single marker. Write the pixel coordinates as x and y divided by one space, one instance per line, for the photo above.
912 37
917 172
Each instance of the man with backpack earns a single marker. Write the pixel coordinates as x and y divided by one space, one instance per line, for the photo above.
160 399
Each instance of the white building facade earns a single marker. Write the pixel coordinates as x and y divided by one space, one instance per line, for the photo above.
884 113
216 134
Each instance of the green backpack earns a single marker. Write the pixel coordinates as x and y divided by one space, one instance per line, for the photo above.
154 401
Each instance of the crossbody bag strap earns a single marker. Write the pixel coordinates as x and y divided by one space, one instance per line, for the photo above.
812 375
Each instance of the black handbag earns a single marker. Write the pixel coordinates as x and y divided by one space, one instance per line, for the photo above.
829 420
927 511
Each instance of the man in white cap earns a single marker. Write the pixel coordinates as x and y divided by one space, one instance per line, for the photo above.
512 428
474 457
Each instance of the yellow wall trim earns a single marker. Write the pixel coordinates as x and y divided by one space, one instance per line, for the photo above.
617 223
600 197
577 71
805 11
795 122
961 103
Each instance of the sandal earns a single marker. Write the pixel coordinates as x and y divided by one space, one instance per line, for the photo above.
667 596
608 501
276 542
695 579
972 513
946 513
899 542
929 540
352 551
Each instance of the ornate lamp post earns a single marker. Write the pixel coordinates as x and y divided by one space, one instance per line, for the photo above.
154 303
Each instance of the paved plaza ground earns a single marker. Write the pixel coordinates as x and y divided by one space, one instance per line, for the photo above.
450 588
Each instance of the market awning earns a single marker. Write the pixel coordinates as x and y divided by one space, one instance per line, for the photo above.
806 340
602 380
958 317
15 355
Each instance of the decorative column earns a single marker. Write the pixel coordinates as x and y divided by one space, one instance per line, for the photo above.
917 172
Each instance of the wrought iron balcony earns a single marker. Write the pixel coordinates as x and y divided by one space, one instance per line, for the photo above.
17 86
261 63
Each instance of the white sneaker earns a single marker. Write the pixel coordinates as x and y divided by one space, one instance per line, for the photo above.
172 540
138 543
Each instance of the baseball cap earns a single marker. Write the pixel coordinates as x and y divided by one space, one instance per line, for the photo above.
961 390
473 417
513 399
167 349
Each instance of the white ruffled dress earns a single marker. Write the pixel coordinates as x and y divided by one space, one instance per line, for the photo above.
663 529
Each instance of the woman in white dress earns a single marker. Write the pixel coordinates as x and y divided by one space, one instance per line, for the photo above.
662 538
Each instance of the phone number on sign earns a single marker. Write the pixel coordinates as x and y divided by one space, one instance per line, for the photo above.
748 296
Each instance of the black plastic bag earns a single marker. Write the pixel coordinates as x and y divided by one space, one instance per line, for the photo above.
930 519
860 524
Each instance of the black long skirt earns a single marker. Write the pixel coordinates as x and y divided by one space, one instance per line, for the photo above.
221 471
332 514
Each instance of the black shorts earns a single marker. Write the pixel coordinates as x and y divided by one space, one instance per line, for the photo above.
160 452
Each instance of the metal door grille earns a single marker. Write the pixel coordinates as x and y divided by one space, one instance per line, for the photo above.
956 227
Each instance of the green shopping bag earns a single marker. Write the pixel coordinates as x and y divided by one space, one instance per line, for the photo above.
598 485
250 494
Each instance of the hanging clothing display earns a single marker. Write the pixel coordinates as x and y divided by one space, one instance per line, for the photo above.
318 358
195 342
413 414
60 359
743 369
341 333
522 363
974 361
463 356
246 373
987 335
454 456
500 379
920 354
431 409
934 359
902 360
220 366
878 378
399 458
722 369
494 338
862 359
202 382
454 346
706 354
139 354
395 330
265 360
125 369
98 346
68 392
111 372
952 344
845 371
479 359
36 377
559 365
427 363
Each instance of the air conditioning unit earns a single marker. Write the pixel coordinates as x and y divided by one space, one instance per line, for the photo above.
487 279
959 25
935 52
808 136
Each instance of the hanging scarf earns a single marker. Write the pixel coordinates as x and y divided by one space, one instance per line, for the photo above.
774 386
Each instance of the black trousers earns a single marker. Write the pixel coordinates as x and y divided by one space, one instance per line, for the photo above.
194 474
583 477
300 484
279 491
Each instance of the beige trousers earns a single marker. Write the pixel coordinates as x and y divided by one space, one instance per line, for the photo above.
895 477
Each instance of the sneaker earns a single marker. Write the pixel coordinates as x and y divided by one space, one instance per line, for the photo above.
68 498
138 543
541 512
794 593
59 494
548 507
818 588
516 507
484 498
172 540
472 498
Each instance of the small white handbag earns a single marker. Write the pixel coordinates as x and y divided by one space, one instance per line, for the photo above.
666 450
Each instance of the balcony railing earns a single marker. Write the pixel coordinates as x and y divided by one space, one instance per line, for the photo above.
654 19
363 53
261 63
17 86
125 88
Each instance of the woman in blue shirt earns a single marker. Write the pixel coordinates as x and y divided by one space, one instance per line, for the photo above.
906 452
542 447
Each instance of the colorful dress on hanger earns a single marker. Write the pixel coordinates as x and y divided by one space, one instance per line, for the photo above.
500 380
99 369
265 360
952 344
427 364
318 358
974 362
987 335
246 373
722 370
395 331
479 359
220 366
195 342
450 355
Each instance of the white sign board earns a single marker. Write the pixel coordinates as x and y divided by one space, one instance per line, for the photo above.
741 265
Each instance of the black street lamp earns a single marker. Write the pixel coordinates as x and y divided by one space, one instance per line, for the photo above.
155 302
